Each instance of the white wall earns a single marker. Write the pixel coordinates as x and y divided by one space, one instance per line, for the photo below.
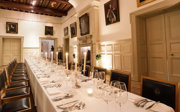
120 30
117 31
31 26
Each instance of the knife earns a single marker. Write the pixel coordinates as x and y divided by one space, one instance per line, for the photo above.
151 105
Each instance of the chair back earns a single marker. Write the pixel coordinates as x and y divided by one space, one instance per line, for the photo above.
122 77
2 80
158 90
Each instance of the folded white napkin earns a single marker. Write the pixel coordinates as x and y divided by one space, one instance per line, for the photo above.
160 107
44 80
53 91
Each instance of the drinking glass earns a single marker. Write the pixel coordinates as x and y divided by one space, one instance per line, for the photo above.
122 95
107 97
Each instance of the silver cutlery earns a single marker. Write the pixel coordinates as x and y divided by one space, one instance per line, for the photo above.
75 106
68 103
61 98
149 107
140 102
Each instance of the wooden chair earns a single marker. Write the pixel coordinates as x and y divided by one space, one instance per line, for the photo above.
15 77
13 104
11 94
160 90
122 77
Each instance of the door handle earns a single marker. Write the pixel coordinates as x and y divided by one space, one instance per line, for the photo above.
172 54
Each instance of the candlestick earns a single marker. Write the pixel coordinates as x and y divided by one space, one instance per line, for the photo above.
51 56
67 61
84 62
57 57
75 62
46 56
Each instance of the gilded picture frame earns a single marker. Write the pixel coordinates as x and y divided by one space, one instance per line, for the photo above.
143 2
48 30
73 28
84 24
12 27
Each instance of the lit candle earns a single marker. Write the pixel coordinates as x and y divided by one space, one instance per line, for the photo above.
84 62
75 62
90 91
67 61
46 55
51 56
57 57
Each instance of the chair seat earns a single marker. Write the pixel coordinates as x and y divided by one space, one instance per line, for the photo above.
19 78
17 105
16 92
21 84
19 72
19 75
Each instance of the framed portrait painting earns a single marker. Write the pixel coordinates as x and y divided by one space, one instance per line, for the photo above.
48 30
11 27
73 28
84 24
66 31
143 2
111 9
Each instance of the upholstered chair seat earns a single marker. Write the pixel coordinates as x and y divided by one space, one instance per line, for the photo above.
19 75
17 92
17 105
14 85
20 72
19 79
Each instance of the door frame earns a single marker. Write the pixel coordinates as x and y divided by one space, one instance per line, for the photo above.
64 49
10 37
138 19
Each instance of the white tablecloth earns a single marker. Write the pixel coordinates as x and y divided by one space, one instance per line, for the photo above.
43 96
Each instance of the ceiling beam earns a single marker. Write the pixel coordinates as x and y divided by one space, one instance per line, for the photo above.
30 8
61 1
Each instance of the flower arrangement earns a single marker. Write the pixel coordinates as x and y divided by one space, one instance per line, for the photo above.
98 57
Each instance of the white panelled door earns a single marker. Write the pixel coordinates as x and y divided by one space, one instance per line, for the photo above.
156 45
11 50
163 45
173 44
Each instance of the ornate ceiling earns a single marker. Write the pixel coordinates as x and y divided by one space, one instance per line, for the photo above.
57 8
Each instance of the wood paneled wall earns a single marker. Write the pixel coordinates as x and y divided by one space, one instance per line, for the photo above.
116 55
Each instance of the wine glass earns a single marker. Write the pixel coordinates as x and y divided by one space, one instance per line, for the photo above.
107 97
122 95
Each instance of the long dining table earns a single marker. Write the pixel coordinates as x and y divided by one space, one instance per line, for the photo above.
52 89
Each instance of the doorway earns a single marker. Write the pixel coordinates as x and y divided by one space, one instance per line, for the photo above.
48 45
11 47
156 41
66 47
163 45
11 50
87 50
